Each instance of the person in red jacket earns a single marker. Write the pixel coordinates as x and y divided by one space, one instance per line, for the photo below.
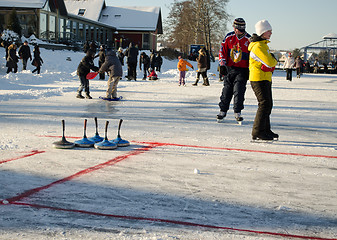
234 55
153 75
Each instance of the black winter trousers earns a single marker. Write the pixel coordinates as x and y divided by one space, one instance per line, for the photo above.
263 93
132 71
24 63
234 86
37 69
289 74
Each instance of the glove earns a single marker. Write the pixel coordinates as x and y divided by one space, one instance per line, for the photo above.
223 70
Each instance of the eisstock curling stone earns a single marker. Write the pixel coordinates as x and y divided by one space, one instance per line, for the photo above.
84 142
119 141
97 138
106 144
63 143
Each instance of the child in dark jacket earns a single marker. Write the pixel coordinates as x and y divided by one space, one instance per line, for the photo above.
83 69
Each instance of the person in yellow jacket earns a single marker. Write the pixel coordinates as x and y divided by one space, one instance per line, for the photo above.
182 70
261 65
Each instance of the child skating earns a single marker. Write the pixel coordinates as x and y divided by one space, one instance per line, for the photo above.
182 70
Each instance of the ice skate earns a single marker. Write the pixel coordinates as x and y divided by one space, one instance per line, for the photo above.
220 117
238 118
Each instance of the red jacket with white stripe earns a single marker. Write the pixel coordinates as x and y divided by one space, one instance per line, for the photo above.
234 51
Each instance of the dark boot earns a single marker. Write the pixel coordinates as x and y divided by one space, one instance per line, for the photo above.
88 96
196 82
79 95
206 82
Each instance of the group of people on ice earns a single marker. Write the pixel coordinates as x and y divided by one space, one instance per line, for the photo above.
241 57
291 63
111 63
23 53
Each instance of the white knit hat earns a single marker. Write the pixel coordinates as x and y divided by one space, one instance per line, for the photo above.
262 26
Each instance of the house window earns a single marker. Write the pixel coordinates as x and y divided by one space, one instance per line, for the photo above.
146 41
81 11
118 16
43 26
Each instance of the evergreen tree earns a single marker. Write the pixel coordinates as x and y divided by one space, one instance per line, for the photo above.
14 23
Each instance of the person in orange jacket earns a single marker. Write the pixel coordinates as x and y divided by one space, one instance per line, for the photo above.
182 70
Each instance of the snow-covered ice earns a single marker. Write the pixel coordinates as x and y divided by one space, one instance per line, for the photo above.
184 176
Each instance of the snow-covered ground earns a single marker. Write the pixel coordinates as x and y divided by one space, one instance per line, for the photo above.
184 176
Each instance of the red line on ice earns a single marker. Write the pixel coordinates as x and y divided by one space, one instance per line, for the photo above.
80 173
32 153
239 150
226 149
171 222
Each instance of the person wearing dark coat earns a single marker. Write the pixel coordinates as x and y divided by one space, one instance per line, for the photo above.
208 57
153 59
145 61
113 66
12 59
202 68
159 62
86 64
101 59
132 58
24 54
37 61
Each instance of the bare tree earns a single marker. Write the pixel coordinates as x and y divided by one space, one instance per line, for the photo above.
196 22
